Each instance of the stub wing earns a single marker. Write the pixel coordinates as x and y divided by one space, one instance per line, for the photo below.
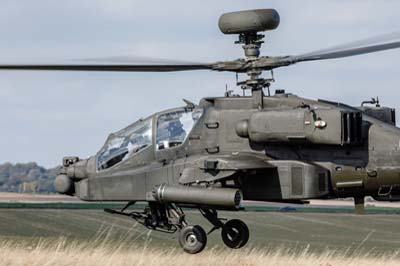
215 168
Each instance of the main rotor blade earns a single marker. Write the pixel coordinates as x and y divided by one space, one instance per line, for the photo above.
371 45
137 60
108 67
116 63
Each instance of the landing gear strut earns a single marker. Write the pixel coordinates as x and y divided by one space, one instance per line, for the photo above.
170 218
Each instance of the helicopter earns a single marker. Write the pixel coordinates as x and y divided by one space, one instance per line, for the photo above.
213 155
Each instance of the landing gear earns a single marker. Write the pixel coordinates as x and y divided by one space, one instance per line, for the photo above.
170 218
235 233
166 218
193 239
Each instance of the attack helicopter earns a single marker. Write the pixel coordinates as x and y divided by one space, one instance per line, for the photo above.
213 155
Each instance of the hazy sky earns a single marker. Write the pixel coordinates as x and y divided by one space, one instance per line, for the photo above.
46 115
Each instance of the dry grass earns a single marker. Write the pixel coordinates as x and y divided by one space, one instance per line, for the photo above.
106 253
93 238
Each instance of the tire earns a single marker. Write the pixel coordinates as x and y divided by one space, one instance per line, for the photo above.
193 239
235 234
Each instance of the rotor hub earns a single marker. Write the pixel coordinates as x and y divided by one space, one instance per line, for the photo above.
252 42
247 24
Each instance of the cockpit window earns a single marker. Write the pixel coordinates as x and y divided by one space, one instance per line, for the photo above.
174 127
123 144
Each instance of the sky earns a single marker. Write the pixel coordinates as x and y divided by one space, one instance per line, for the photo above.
48 115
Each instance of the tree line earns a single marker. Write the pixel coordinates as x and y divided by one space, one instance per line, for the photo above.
27 178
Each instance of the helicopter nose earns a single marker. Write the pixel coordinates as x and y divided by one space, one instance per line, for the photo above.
77 171
73 170
64 185
76 168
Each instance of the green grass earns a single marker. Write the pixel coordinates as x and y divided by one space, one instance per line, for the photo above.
76 206
317 232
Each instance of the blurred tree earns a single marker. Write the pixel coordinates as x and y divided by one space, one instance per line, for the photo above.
27 177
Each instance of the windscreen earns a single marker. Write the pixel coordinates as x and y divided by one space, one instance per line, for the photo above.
125 143
175 126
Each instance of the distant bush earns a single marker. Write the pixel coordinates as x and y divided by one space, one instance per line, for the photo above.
27 177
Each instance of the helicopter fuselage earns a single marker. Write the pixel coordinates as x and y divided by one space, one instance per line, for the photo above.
284 148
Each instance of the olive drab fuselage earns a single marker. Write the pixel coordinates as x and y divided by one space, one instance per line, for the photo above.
290 149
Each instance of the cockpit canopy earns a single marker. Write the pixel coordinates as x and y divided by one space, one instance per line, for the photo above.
172 129
124 143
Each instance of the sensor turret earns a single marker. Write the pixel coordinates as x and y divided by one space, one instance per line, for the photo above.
249 21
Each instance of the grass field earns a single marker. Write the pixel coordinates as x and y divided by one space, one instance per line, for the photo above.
316 232
75 233
61 253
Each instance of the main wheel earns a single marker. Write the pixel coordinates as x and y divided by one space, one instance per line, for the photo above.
193 239
235 233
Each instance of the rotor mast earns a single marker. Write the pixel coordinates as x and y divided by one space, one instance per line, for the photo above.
251 45
252 42
248 24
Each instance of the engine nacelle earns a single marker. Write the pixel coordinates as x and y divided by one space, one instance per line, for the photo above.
303 126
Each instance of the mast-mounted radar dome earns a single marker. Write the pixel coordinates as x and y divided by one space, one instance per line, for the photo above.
249 21
247 24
